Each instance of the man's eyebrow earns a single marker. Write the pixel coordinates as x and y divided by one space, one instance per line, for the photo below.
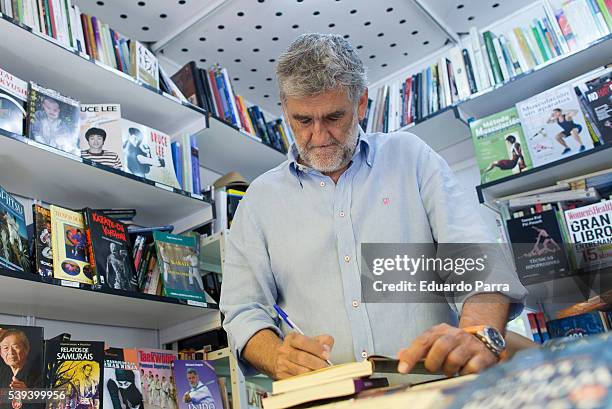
336 113
300 117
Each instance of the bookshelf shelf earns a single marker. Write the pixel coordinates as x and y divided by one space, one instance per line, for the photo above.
34 170
598 158
30 295
225 148
41 59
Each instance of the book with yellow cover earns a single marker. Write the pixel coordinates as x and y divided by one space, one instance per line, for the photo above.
69 246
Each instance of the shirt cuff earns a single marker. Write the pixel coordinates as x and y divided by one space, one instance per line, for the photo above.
241 330
516 297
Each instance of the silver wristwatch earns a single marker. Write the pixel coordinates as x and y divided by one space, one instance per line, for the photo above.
491 337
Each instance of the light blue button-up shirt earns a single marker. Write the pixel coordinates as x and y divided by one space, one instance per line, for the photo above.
296 241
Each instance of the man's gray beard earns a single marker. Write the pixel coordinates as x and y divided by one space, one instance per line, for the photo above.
340 159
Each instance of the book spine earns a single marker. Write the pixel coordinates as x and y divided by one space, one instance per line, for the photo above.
90 251
541 36
116 50
514 67
125 51
551 38
517 51
196 186
68 23
523 48
542 326
36 12
213 86
501 62
470 72
607 13
497 73
59 22
99 50
598 17
231 98
533 45
554 24
533 324
483 76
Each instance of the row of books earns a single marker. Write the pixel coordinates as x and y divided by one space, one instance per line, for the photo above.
488 58
93 248
97 132
63 22
570 118
87 374
575 326
211 89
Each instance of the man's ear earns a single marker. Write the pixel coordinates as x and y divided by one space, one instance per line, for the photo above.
363 105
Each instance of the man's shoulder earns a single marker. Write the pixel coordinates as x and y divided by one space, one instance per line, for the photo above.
272 180
398 146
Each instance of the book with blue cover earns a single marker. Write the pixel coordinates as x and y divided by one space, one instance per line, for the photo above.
14 248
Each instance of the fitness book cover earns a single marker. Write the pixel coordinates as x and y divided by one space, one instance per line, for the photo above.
554 125
501 149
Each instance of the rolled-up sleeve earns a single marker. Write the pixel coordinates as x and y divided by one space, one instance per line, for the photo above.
454 219
249 291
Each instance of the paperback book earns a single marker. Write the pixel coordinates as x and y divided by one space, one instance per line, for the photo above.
156 376
108 247
14 249
122 381
144 64
42 240
595 92
500 145
28 362
554 125
76 368
196 385
100 135
148 153
69 243
178 265
53 119
13 100
538 248
590 230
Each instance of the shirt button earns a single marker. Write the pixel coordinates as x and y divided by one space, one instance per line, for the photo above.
347 258
341 214
364 354
355 303
322 184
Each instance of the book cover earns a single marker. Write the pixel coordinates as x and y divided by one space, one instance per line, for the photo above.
501 149
554 125
13 99
178 264
189 80
590 229
122 381
14 253
42 240
537 245
109 252
596 91
69 244
197 386
144 64
577 326
22 357
533 377
100 134
147 153
155 367
76 368
53 119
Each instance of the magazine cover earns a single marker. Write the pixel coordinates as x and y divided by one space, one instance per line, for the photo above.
14 252
76 368
122 383
100 134
178 265
196 385
23 358
595 91
500 146
590 229
53 119
109 252
156 378
42 241
13 99
144 64
69 243
554 125
147 153
538 247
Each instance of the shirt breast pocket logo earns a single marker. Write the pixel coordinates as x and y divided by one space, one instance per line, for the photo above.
386 201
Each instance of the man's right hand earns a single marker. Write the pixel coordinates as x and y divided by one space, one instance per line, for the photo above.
300 354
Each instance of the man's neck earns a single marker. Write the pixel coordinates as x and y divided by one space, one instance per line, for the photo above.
16 369
335 175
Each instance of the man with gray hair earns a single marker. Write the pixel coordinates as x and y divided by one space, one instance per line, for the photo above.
296 237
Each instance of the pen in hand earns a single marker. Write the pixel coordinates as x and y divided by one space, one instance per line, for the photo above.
292 324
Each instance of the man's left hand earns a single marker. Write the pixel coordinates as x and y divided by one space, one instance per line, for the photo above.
447 349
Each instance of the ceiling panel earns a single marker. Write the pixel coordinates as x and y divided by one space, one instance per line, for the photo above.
246 37
144 20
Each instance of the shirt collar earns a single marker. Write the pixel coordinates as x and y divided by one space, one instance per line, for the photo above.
363 144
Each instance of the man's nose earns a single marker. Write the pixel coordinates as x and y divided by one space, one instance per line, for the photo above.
319 133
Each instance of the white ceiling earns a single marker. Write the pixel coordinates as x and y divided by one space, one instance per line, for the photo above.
246 36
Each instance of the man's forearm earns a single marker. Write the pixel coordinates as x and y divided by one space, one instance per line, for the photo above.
260 351
486 309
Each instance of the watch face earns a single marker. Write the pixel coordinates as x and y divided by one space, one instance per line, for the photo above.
495 338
